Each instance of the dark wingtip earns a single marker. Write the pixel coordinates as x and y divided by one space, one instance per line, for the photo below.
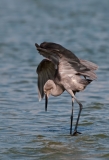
37 46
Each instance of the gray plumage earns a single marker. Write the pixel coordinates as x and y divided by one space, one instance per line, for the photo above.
60 71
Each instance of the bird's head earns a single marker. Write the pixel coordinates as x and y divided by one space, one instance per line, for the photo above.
47 91
47 94
48 87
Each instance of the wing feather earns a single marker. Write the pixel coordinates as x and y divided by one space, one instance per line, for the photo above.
55 52
92 66
45 71
66 60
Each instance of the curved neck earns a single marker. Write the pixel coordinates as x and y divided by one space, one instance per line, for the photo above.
55 89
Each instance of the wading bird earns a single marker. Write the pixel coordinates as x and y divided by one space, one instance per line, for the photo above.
60 71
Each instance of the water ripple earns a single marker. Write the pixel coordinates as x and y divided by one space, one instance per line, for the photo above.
26 130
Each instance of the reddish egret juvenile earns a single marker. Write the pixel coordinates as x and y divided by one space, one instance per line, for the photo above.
60 71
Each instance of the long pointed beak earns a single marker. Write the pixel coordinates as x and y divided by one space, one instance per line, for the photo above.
46 102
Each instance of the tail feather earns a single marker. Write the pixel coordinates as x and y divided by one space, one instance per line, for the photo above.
85 81
89 65
90 74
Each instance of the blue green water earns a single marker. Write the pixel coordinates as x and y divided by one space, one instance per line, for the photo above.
27 132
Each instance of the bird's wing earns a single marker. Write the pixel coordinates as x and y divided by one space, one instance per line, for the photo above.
92 66
45 71
55 52
66 69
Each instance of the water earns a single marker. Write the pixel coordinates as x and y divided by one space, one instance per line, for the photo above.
27 132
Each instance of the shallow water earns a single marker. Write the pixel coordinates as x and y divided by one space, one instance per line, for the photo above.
26 130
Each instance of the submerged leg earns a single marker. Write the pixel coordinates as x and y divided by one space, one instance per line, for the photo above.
80 105
71 116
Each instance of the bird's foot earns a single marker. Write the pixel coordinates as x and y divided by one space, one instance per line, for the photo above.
75 133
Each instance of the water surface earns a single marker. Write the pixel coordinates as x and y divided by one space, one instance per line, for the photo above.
27 132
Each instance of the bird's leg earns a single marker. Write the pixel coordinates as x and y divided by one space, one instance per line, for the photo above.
80 105
71 117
